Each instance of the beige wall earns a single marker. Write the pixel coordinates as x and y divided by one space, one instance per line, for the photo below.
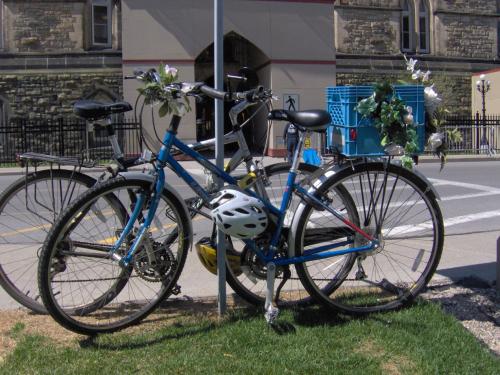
492 98
297 41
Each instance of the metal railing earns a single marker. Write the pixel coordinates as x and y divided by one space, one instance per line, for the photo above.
479 135
65 137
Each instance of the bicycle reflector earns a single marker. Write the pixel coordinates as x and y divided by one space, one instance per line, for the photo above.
353 134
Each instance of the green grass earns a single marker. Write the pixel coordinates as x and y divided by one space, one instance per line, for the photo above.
418 340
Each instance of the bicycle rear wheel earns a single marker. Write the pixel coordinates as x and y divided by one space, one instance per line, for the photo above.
28 208
83 287
400 210
249 279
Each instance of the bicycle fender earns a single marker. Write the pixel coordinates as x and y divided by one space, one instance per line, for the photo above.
428 183
169 189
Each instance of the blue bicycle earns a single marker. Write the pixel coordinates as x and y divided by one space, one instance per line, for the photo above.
367 235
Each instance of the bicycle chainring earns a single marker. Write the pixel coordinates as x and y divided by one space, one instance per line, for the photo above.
160 268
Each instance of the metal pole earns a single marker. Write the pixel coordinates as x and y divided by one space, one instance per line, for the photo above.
219 142
498 264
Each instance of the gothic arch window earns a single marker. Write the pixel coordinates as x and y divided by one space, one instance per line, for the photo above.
407 27
423 27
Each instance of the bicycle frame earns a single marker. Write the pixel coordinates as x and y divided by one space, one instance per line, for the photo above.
266 255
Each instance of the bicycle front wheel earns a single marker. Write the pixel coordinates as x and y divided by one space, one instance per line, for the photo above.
86 289
399 209
28 208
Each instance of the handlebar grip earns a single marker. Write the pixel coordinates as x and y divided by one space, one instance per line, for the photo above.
213 93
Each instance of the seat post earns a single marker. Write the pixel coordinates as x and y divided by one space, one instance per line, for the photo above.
296 156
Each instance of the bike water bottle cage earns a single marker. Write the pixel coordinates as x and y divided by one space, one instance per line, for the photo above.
315 120
239 214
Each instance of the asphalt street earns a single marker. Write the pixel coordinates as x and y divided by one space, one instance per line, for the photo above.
469 194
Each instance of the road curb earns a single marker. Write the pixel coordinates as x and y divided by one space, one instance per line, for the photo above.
426 159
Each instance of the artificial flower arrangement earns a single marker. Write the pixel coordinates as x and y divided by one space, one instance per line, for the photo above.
156 91
395 122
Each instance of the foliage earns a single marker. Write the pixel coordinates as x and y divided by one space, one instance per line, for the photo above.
158 91
393 119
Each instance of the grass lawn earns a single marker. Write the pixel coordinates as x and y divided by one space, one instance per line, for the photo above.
417 340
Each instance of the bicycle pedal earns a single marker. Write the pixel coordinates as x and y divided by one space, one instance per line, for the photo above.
271 314
176 290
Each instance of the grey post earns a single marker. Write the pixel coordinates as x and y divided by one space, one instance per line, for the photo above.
498 264
219 141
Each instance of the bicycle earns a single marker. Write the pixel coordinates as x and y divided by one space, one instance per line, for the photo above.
346 226
31 204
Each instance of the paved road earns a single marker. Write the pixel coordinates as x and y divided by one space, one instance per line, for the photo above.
469 200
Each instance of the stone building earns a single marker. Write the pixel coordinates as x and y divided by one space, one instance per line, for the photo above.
454 39
54 52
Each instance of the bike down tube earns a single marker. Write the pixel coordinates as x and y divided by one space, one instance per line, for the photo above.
155 199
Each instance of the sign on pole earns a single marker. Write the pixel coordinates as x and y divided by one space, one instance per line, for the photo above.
291 102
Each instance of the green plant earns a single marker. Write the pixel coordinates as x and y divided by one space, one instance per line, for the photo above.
394 121
156 90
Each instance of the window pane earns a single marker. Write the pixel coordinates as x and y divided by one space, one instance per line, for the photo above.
406 41
498 38
100 24
101 34
423 41
100 14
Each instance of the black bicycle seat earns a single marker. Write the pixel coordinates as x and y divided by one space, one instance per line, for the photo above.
315 119
93 110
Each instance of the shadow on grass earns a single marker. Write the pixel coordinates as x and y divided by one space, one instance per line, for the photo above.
183 309
309 316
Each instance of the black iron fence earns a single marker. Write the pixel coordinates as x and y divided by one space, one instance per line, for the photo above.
479 135
65 137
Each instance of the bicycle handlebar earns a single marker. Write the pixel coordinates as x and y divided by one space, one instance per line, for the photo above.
252 96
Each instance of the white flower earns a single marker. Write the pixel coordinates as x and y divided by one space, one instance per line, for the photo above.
410 65
435 140
426 76
393 149
417 75
408 119
170 71
431 100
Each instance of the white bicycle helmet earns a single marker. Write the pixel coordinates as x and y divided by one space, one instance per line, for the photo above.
239 214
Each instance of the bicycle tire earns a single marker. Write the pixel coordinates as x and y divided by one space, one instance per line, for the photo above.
25 219
401 211
249 282
126 306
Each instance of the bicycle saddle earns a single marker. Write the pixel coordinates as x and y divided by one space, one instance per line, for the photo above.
316 119
93 110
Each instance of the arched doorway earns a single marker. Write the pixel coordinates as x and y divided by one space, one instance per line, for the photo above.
238 53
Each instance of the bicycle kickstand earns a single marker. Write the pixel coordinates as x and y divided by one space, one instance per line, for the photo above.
271 313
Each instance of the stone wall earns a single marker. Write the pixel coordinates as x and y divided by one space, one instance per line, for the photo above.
39 95
455 89
367 31
469 36
481 6
44 26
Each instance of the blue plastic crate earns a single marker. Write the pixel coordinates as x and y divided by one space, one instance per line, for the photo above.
353 135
